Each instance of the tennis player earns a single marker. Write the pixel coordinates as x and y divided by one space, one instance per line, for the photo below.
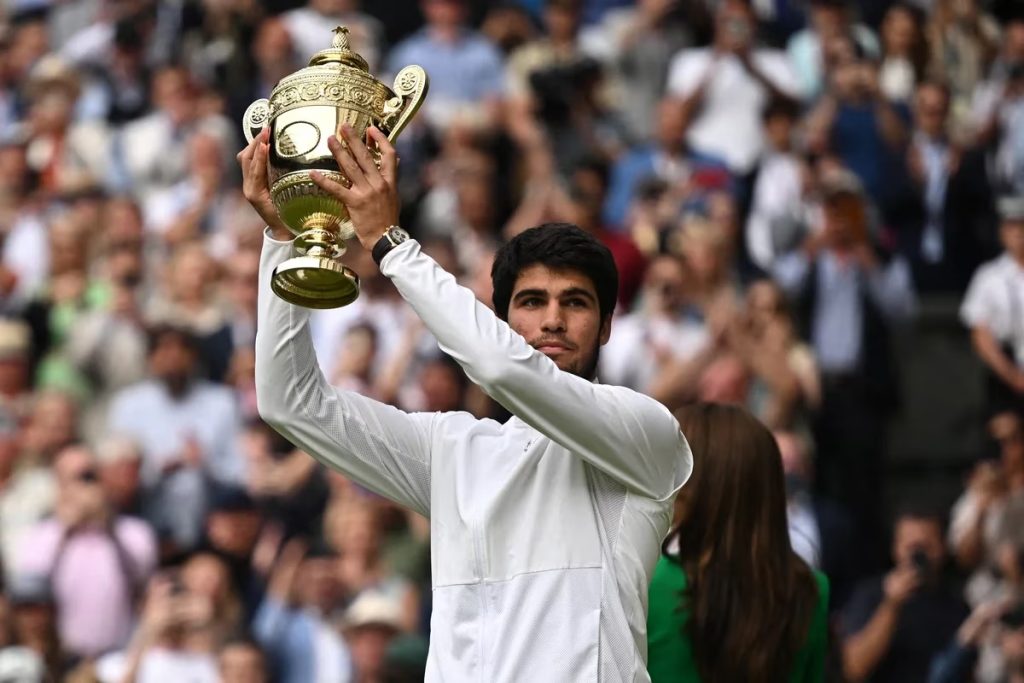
544 530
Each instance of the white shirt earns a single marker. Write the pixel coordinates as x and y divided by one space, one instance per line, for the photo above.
544 530
729 124
778 200
159 665
804 534
995 300
628 358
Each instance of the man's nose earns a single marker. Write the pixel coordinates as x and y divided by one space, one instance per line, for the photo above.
554 318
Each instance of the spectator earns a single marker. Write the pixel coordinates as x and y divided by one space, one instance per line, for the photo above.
904 52
95 560
999 110
722 89
893 625
710 598
820 530
371 623
465 69
661 325
187 429
34 618
667 158
778 188
294 621
992 308
170 642
864 130
638 44
942 249
243 661
963 39
307 27
829 19
15 366
990 512
119 465
149 153
270 55
848 295
232 529
190 302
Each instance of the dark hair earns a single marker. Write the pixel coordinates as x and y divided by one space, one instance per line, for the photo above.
750 598
555 245
452 367
158 332
781 106
920 511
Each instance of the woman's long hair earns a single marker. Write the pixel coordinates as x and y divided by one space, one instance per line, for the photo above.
750 597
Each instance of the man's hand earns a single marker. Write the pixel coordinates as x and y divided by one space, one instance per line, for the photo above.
256 184
900 584
372 199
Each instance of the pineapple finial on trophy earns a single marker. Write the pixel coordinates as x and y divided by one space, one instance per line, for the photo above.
340 41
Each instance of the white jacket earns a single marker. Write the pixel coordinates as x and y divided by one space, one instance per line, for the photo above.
544 530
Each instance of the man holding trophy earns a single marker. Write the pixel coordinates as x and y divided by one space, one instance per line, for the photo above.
544 530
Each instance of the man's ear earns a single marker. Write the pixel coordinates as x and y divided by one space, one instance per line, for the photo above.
606 329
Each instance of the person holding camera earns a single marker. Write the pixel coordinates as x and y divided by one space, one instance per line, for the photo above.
723 88
893 625
989 645
94 560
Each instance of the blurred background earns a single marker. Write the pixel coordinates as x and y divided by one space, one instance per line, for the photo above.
816 208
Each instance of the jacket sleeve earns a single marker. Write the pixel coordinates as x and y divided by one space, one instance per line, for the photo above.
378 446
627 435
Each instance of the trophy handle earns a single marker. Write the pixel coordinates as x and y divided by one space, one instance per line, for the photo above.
255 118
411 85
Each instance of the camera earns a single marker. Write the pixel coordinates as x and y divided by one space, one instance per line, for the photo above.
919 560
1013 617
1015 71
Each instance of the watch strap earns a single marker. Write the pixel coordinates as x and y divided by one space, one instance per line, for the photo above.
385 244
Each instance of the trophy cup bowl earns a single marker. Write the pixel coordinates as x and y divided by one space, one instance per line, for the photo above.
304 110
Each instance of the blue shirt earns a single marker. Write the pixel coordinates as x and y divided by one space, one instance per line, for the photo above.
468 70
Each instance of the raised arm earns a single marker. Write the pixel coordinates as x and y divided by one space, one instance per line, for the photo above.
378 446
626 435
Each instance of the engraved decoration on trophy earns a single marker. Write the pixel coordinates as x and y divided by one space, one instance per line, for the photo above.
304 110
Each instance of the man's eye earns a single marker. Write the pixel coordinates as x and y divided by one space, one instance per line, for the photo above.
576 303
531 302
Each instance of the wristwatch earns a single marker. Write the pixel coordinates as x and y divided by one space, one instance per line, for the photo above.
391 238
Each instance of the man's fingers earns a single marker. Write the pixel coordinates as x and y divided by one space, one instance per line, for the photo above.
344 158
259 172
332 187
247 153
388 155
358 150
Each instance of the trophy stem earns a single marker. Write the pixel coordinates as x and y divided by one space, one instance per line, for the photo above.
319 242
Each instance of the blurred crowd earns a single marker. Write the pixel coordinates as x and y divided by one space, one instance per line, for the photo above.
781 182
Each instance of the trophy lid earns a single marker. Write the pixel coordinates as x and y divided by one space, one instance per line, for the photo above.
339 52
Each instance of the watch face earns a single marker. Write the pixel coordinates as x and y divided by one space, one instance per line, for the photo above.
397 235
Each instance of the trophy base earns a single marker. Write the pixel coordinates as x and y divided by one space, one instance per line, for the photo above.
315 282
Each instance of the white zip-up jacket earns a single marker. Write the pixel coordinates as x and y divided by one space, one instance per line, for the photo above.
544 530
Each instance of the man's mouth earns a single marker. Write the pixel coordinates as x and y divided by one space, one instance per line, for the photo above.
551 346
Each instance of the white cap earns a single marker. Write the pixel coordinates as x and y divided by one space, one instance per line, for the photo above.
373 608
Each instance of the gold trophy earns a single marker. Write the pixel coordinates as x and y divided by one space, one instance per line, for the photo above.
304 110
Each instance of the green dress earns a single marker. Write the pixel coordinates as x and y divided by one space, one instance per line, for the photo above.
670 655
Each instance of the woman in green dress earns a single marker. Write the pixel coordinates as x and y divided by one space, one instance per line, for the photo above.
730 602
